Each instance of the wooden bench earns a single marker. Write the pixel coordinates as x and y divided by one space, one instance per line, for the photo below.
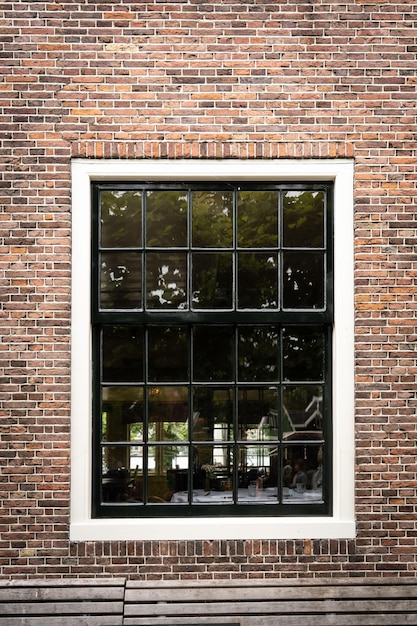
297 602
64 602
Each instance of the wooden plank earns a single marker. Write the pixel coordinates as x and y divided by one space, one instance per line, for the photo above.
284 607
275 582
287 620
136 594
102 620
63 608
64 582
14 594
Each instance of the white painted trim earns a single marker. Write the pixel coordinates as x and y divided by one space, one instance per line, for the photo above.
342 523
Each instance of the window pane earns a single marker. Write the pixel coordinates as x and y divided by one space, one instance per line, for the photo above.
212 281
212 213
257 281
303 353
213 353
117 479
122 413
303 411
258 354
303 219
214 474
167 354
120 280
168 413
304 469
122 350
162 461
213 414
257 474
303 280
166 219
257 225
120 219
258 413
166 281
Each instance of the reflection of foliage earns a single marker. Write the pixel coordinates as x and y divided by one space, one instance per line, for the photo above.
303 219
120 280
167 353
122 351
213 353
303 353
212 219
303 282
258 353
121 218
258 281
258 219
166 281
166 218
212 280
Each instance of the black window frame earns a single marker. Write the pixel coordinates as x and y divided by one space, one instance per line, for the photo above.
279 318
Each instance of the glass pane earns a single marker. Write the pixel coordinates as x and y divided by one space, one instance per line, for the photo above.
121 468
303 219
121 413
257 281
213 474
257 223
167 354
122 350
162 462
120 280
257 477
257 413
303 280
213 349
303 475
212 219
168 413
120 219
166 219
212 281
213 414
166 281
303 412
258 354
303 353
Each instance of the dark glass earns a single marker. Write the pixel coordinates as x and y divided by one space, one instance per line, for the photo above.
303 219
166 219
167 353
122 350
120 280
166 280
258 354
258 413
168 413
303 411
122 413
257 281
257 223
303 353
212 281
213 353
121 472
120 219
212 214
212 414
167 472
303 280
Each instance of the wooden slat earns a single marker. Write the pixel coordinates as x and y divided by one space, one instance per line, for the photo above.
96 620
59 594
64 608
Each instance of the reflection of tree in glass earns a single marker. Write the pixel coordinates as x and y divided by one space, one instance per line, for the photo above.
303 353
303 219
258 219
212 217
303 281
166 281
258 353
166 218
120 218
258 281
212 280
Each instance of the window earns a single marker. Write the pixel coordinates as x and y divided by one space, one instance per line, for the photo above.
212 322
214 340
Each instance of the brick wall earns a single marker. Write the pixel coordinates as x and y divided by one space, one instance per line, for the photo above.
204 79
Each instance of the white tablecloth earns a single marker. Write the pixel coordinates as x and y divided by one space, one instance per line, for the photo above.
264 496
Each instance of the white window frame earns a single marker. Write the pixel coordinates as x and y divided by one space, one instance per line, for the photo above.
341 524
